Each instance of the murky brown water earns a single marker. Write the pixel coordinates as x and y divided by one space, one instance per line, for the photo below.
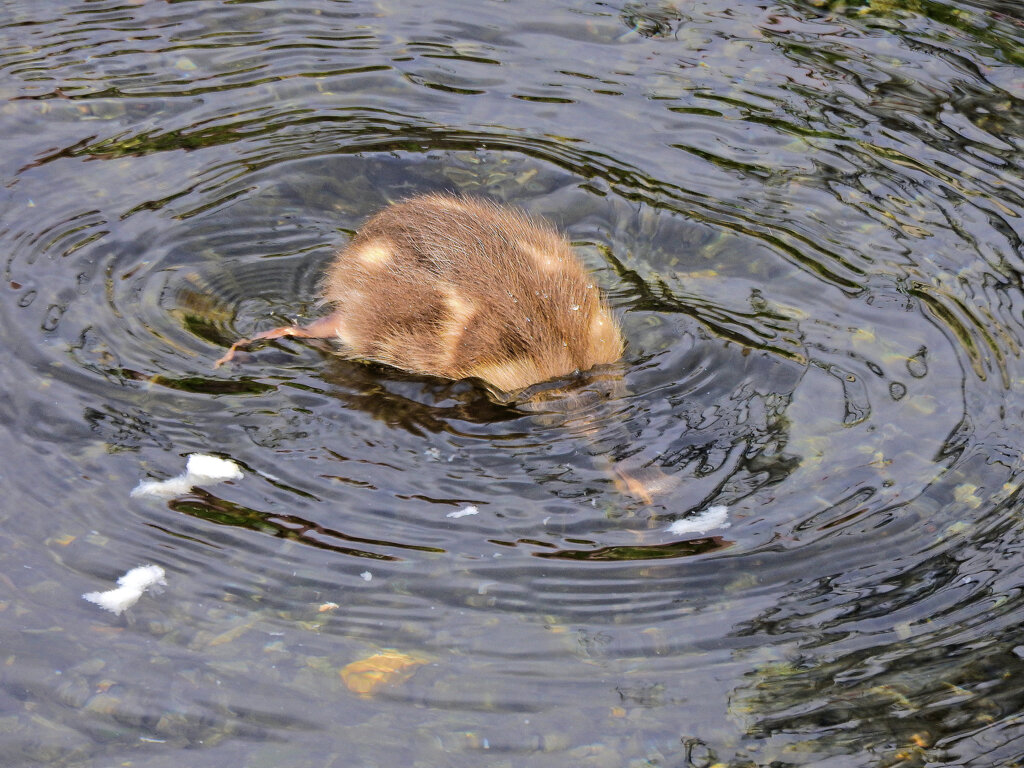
807 216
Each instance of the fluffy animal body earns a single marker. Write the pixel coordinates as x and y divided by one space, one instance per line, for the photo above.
463 288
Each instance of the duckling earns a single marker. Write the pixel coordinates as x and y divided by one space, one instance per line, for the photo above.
463 288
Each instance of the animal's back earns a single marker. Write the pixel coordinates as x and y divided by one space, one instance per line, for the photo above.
463 288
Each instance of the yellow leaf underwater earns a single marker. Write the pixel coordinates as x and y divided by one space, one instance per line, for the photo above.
385 668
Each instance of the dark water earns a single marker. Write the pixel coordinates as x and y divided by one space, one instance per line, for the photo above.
807 215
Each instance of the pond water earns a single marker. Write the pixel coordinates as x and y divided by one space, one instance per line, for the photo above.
808 215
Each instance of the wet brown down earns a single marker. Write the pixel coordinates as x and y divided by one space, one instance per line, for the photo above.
461 288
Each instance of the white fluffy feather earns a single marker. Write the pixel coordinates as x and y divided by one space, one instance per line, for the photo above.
129 588
202 466
712 517
200 469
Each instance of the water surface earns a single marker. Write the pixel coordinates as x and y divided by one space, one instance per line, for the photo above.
807 216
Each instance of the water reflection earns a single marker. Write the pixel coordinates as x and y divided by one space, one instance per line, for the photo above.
807 217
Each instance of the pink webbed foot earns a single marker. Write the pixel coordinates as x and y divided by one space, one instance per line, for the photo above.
643 483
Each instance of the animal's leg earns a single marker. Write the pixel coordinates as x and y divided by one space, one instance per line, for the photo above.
324 328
